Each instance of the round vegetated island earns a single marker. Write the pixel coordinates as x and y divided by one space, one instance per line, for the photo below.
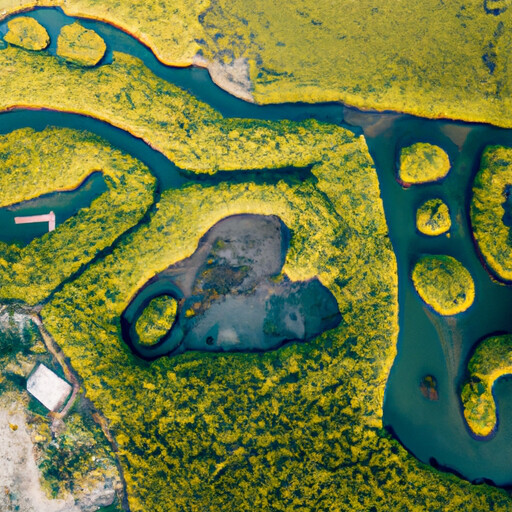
80 46
422 163
27 33
444 284
433 218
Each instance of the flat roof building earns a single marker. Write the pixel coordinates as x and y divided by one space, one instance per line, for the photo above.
48 388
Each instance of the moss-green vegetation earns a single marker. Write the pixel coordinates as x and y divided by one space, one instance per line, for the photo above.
156 319
80 46
169 28
191 134
422 57
444 284
78 459
491 210
422 163
425 57
35 163
294 428
433 218
27 33
492 359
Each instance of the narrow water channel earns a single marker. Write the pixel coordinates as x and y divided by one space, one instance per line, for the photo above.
428 343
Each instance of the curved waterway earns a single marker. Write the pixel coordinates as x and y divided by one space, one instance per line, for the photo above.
434 431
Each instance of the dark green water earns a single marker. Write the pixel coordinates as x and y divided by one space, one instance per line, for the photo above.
434 431
428 343
63 204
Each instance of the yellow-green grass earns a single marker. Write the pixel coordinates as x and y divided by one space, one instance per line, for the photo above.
191 134
433 218
156 319
27 33
488 210
430 58
299 427
491 360
444 284
422 163
169 28
56 159
79 45
422 57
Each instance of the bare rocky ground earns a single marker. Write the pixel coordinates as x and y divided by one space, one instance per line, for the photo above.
20 488
46 465
233 77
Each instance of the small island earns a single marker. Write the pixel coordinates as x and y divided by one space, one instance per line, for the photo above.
27 33
422 163
433 218
444 284
156 319
80 46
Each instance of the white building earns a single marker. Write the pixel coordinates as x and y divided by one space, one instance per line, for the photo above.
47 387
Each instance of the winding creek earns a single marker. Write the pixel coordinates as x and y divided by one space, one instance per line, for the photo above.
434 431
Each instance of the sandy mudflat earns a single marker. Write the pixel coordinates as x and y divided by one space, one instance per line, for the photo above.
19 483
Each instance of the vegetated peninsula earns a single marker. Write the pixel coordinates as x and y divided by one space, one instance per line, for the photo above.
491 360
36 163
491 210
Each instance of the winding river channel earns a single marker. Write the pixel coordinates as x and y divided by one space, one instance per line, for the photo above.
434 431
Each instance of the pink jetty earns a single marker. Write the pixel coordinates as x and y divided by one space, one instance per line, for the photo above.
49 217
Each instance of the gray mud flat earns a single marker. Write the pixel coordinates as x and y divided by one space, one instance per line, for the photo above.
233 296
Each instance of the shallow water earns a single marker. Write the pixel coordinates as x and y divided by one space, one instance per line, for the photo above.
229 284
63 204
428 343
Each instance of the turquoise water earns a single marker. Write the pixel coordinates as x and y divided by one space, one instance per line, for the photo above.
434 431
429 344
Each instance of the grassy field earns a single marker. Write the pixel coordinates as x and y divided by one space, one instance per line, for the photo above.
299 428
426 57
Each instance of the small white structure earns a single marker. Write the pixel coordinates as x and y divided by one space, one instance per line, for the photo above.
50 218
48 388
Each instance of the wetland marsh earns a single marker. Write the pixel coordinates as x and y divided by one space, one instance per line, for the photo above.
333 206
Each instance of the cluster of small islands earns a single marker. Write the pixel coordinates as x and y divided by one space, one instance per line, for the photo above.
261 311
